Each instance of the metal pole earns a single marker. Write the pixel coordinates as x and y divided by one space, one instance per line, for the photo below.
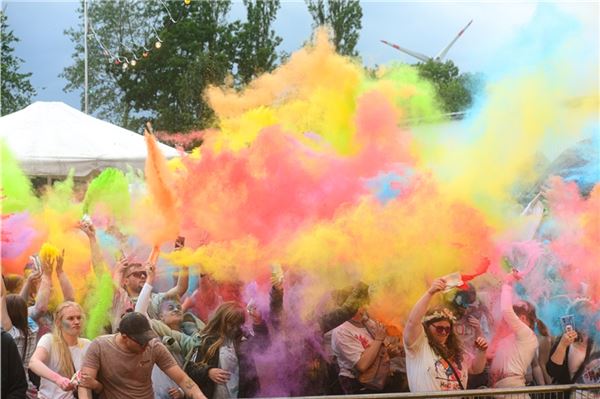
85 57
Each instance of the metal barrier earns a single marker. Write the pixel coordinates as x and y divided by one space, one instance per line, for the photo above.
538 392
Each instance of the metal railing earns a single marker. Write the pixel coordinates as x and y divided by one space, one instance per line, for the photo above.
537 392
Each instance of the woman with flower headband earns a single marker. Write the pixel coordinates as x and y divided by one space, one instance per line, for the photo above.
435 360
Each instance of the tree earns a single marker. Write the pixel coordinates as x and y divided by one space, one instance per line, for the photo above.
113 26
343 17
198 51
17 90
455 90
257 41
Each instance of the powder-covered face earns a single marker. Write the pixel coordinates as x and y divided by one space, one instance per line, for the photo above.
171 312
71 322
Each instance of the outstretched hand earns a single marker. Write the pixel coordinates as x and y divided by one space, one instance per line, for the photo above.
87 228
48 262
59 262
439 284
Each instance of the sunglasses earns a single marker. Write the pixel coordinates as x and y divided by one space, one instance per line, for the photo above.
442 330
138 274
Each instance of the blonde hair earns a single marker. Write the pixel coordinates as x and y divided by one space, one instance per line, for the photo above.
59 344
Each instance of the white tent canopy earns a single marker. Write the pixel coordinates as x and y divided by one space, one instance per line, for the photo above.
51 138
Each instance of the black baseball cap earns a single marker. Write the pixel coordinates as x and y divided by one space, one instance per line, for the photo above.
137 327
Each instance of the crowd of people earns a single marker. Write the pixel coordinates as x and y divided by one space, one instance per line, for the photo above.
212 344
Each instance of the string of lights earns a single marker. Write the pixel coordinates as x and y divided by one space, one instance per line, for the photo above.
131 58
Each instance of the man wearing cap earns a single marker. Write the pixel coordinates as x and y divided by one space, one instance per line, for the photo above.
123 363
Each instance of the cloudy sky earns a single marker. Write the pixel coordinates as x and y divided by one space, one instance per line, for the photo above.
423 26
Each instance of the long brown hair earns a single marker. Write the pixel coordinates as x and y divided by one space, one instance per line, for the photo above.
452 350
66 367
227 320
524 308
17 311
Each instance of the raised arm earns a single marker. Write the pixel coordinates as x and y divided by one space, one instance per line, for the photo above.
183 279
182 284
413 328
332 319
97 258
143 301
506 307
43 295
63 279
33 278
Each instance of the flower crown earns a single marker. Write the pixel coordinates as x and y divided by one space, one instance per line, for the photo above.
440 314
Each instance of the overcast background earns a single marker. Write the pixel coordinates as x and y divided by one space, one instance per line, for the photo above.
425 27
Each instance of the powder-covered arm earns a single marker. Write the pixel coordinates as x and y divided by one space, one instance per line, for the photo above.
414 328
508 313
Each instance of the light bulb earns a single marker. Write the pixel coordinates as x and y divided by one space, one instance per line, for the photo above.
145 54
157 44
125 65
187 2
133 62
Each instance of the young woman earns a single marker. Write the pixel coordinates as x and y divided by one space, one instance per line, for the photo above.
60 354
435 360
517 345
222 366
575 357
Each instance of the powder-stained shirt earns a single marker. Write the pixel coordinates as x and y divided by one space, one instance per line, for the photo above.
427 371
348 343
126 375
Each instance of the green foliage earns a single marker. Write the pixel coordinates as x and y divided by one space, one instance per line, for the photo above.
115 23
257 41
200 47
17 91
343 17
455 90
196 52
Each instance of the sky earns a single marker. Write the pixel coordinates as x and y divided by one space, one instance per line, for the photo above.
423 26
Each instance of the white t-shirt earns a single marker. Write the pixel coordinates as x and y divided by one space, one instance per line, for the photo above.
48 389
428 372
514 352
228 361
348 343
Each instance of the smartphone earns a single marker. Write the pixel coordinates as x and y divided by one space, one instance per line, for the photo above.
567 323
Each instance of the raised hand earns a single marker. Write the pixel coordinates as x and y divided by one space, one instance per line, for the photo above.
48 263
439 284
87 228
568 338
59 262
